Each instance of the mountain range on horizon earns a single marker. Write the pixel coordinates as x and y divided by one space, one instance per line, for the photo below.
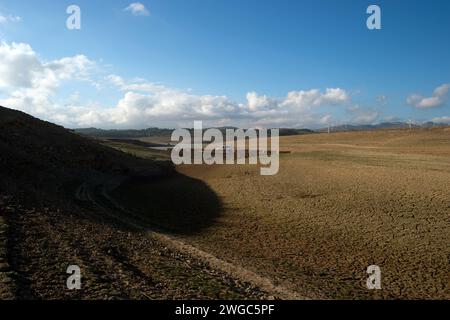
154 131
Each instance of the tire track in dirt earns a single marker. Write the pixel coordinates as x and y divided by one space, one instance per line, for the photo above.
103 200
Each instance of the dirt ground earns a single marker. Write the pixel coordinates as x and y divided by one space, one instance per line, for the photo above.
116 262
340 203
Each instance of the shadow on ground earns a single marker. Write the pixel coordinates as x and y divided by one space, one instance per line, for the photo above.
175 203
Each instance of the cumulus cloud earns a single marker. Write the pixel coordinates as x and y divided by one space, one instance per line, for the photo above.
144 101
31 82
137 9
18 65
305 100
141 109
22 68
443 120
438 98
4 19
256 102
139 85
32 85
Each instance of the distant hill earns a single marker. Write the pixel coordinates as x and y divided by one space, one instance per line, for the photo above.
100 133
384 125
152 132
294 132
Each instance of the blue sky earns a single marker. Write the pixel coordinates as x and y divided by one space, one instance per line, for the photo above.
227 62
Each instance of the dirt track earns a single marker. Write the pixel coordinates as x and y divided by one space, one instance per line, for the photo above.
103 200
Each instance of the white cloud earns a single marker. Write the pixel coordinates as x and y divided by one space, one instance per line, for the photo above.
18 65
136 85
438 98
32 85
144 101
31 82
444 120
255 102
137 9
9 19
305 100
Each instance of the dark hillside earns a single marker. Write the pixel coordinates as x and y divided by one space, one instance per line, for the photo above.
37 156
